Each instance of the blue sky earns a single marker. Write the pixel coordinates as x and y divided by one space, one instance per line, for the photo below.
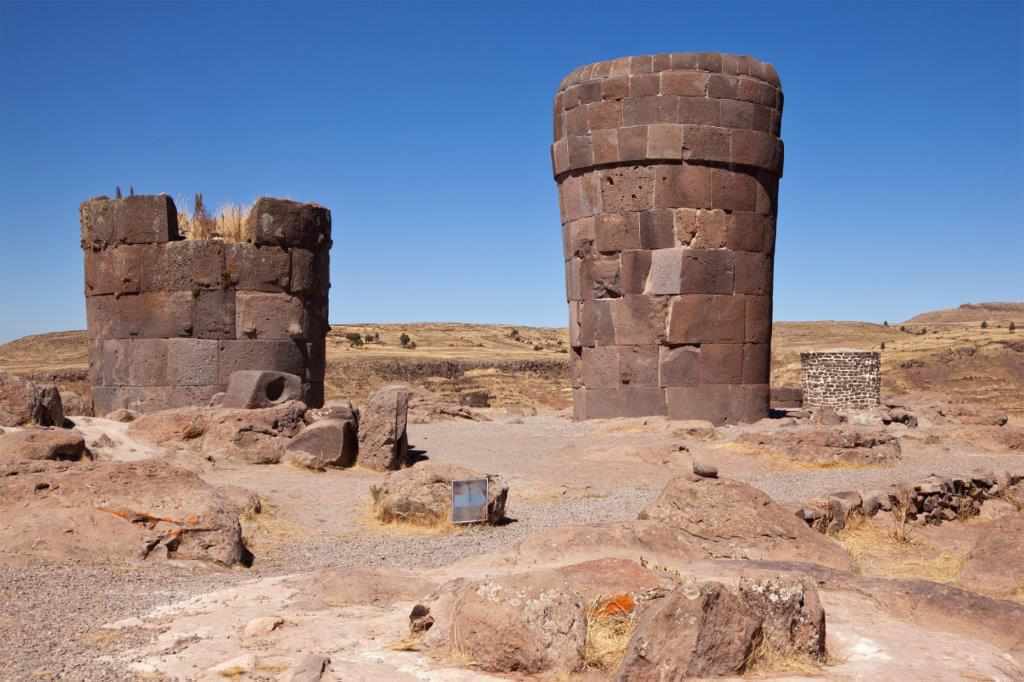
425 128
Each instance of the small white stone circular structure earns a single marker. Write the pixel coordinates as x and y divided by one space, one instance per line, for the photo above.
841 378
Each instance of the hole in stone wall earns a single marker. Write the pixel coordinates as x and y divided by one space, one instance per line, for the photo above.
275 389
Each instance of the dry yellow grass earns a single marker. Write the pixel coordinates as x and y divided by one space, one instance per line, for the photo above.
767 660
229 224
610 625
877 552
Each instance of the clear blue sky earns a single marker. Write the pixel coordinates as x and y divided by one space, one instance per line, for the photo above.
425 128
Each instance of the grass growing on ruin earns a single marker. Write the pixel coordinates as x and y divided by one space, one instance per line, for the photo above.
610 624
876 551
229 224
767 659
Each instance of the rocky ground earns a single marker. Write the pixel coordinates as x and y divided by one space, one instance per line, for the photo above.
330 589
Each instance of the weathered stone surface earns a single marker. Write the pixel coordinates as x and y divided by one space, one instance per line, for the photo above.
995 565
282 222
422 494
383 443
324 443
707 632
49 443
526 623
25 402
252 388
731 519
841 379
793 619
117 511
829 446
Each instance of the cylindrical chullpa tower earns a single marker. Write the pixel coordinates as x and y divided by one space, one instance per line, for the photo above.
668 168
170 318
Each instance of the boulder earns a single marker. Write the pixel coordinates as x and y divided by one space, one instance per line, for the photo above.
123 415
324 443
422 494
253 389
257 436
793 619
383 442
24 402
704 469
49 443
75 405
730 519
826 416
702 632
116 511
526 623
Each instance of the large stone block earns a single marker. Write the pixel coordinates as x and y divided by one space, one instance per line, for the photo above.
148 362
633 271
638 365
679 366
281 356
757 363
167 267
269 316
303 271
614 232
721 363
758 314
753 273
682 186
601 367
708 271
638 320
99 273
152 315
286 223
597 326
215 314
625 401
127 269
192 362
131 220
706 318
626 188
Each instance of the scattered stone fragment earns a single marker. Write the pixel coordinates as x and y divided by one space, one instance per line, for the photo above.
704 469
475 398
123 415
309 668
261 627
235 667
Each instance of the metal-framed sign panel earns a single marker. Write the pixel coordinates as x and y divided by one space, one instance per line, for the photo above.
469 501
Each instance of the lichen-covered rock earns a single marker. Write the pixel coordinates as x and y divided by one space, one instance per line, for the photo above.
526 623
423 494
383 442
700 632
793 619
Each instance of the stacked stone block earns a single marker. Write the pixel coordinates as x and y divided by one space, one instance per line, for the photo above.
170 319
841 379
668 169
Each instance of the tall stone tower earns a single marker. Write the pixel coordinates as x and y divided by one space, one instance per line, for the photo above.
668 170
170 318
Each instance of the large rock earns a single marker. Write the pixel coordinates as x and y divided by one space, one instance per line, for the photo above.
730 519
423 494
383 442
24 402
526 623
995 565
324 443
257 436
51 443
793 620
116 511
702 632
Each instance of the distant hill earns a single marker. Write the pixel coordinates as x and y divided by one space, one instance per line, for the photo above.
974 312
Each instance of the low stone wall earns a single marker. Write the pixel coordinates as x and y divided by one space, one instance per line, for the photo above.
842 379
933 501
170 319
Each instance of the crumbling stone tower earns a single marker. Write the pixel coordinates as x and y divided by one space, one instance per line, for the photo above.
668 169
170 318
